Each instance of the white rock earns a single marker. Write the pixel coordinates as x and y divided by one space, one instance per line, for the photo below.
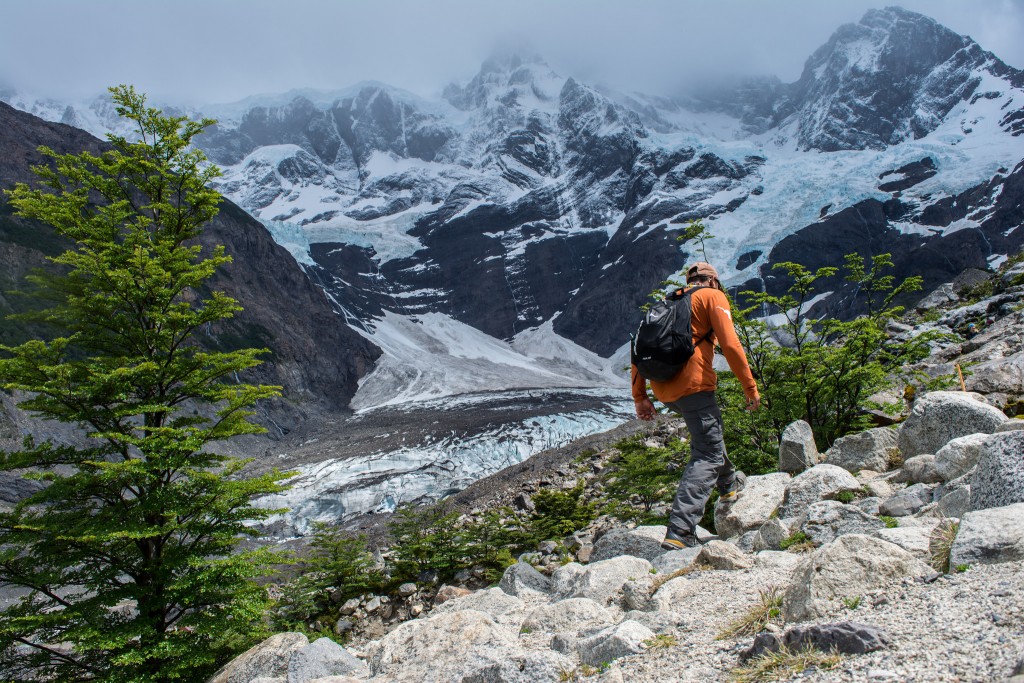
753 506
776 559
941 416
567 616
323 657
821 482
617 641
797 450
599 581
722 555
674 560
522 579
771 535
913 539
504 608
643 541
959 455
921 469
990 536
825 520
998 479
849 567
269 659
464 645
871 449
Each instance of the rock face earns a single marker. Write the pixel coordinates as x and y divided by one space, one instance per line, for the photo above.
849 567
941 416
753 506
797 451
868 450
999 478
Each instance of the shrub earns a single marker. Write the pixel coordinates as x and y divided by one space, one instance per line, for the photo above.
641 477
559 513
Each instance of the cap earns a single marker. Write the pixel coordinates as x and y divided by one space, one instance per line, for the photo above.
701 268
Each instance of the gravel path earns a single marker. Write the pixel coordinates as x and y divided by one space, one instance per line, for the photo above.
965 627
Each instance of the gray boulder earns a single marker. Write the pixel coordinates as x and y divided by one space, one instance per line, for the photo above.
821 482
598 581
872 449
567 616
941 416
828 519
503 608
323 657
722 555
674 560
915 540
617 641
869 505
921 469
269 659
849 567
522 579
771 535
958 456
460 646
753 506
908 501
848 638
998 480
1014 425
797 451
643 541
990 536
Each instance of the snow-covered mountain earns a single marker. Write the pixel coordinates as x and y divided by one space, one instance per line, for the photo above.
502 236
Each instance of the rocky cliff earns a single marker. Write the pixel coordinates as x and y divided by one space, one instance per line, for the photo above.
313 354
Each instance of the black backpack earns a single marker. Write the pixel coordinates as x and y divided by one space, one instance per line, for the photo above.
664 341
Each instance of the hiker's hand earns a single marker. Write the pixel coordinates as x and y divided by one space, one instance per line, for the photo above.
753 403
644 408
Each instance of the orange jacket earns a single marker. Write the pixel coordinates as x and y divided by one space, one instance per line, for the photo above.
710 312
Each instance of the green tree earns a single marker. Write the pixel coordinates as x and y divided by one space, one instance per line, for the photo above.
559 513
127 556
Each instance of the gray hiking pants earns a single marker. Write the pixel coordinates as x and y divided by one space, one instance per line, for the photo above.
708 466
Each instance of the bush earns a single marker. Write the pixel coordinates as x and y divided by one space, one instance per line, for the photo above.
337 561
427 538
641 477
815 369
559 513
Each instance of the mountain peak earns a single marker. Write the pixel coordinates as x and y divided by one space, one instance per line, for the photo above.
507 78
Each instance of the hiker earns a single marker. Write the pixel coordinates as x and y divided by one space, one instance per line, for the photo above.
691 393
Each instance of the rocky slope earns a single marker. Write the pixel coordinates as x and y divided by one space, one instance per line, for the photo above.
859 577
903 550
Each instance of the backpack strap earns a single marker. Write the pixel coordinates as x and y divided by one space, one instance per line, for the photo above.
679 294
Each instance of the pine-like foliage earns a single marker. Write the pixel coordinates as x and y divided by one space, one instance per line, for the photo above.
125 562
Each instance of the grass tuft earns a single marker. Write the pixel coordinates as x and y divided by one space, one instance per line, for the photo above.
797 543
782 665
662 641
941 544
757 618
661 579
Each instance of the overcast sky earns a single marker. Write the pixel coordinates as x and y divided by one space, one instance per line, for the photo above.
194 51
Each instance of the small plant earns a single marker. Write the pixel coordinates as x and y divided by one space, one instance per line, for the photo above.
894 458
846 497
662 641
782 665
797 543
767 609
852 603
961 568
890 522
525 630
653 570
941 544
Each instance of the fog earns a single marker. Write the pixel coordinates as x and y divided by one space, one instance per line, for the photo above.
196 51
